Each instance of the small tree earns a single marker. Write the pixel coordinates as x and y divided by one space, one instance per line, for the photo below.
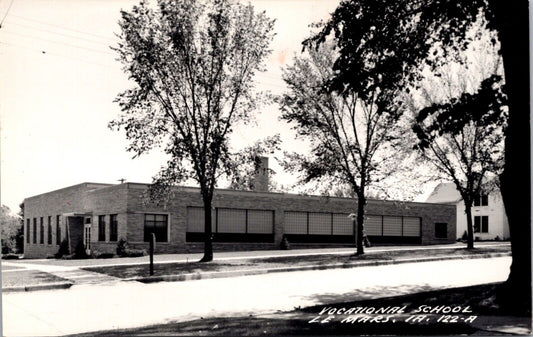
354 135
11 230
193 64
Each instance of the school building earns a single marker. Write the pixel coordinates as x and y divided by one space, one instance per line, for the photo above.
99 215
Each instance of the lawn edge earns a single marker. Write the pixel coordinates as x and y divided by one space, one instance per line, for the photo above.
250 272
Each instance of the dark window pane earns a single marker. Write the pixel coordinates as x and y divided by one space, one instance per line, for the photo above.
41 231
113 228
477 224
484 200
58 231
157 224
476 201
485 224
49 230
28 225
101 228
34 230
441 230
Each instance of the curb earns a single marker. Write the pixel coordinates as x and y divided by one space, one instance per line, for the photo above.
236 273
46 286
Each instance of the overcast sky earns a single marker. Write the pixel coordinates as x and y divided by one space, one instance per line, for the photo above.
58 79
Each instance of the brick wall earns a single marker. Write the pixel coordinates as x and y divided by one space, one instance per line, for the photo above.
126 200
66 200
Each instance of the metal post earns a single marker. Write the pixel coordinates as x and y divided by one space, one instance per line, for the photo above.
152 248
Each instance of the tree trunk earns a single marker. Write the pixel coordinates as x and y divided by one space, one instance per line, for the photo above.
208 232
360 223
512 22
469 227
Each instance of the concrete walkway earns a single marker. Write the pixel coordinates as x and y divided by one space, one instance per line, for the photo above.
72 272
88 308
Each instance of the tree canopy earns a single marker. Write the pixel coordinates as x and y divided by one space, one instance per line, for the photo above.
192 64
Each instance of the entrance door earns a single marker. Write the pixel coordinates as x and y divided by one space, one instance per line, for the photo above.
87 237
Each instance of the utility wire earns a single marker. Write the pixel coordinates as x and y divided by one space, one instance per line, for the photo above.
58 55
62 27
7 12
61 43
57 33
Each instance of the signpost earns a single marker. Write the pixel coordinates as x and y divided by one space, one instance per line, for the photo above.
152 248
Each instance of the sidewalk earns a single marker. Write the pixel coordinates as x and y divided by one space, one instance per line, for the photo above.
71 272
87 308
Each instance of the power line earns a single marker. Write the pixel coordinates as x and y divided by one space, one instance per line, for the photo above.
62 34
61 43
55 54
7 12
62 27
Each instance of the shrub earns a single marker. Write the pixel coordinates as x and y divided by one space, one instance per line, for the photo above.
79 252
10 256
465 236
63 249
123 250
95 254
129 252
497 238
122 245
285 244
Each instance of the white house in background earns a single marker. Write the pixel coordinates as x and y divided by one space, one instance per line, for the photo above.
488 212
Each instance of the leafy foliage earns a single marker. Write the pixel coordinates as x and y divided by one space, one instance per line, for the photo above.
354 136
11 231
193 64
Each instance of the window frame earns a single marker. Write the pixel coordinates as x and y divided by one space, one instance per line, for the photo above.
28 230
41 231
58 230
113 227
155 221
49 236
34 231
101 228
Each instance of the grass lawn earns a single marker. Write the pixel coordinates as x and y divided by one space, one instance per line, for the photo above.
128 271
28 277
489 319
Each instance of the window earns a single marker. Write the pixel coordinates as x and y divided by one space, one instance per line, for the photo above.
113 229
35 230
441 230
481 224
28 221
157 224
49 230
58 231
481 200
41 231
101 228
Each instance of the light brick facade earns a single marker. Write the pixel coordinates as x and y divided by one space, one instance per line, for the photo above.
77 204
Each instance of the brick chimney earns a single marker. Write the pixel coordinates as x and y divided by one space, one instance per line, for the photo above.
261 175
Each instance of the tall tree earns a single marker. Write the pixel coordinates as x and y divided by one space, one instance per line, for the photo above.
463 139
192 64
417 26
460 115
353 134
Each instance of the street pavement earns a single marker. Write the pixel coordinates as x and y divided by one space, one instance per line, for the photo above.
92 307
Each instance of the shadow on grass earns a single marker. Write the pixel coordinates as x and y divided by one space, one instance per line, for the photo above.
127 271
490 320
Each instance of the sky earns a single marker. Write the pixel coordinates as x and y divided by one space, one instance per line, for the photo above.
58 80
